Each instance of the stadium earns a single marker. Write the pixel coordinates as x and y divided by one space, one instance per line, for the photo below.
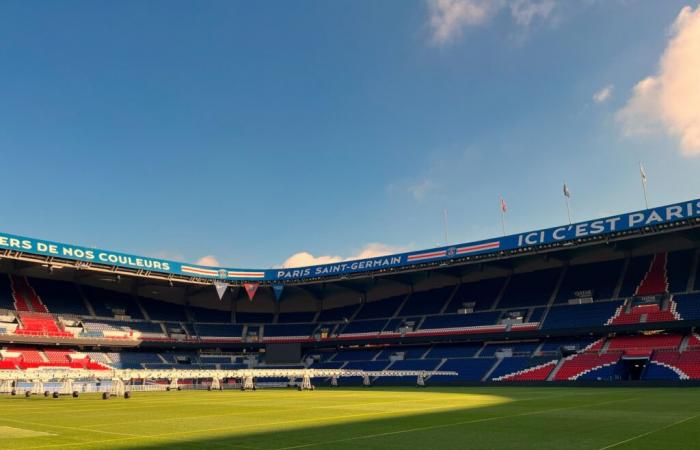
376 224
610 302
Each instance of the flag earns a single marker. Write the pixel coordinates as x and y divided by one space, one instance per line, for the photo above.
504 207
251 289
220 288
642 173
567 192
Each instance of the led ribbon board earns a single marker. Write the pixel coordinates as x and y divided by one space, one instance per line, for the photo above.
662 215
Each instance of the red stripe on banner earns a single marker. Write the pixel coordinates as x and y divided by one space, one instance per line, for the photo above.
476 248
427 255
201 271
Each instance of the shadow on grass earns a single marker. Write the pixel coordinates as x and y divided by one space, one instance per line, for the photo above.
478 426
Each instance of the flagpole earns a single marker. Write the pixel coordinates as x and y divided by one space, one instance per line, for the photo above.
567 194
643 175
503 216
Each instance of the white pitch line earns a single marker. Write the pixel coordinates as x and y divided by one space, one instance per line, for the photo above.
633 438
446 425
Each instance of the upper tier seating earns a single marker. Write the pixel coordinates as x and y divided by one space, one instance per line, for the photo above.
207 315
338 314
530 289
107 302
26 298
600 278
254 317
426 302
637 268
482 293
380 308
296 317
164 311
60 297
678 265
580 316
655 280
6 299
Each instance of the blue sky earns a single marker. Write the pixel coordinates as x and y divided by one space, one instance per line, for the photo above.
251 131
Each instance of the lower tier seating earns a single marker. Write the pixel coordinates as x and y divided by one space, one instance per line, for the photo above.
590 365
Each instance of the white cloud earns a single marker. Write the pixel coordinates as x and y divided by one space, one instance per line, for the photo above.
420 190
371 250
603 95
671 99
525 11
209 260
448 18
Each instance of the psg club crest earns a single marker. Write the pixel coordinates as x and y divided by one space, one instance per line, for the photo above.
222 273
451 252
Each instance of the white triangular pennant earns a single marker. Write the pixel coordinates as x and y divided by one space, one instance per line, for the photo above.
220 288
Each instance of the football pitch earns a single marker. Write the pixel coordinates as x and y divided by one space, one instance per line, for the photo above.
367 418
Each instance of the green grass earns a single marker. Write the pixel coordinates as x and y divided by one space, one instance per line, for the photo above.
366 418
